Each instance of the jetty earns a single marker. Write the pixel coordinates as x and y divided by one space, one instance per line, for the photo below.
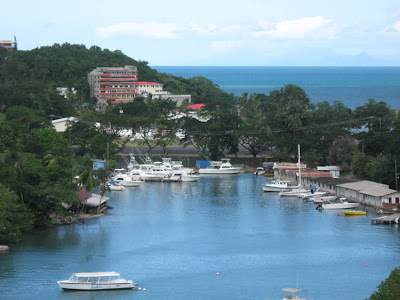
388 219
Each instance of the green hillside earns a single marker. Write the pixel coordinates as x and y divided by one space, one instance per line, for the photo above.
27 74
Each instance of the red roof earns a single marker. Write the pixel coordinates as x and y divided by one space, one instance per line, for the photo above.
196 106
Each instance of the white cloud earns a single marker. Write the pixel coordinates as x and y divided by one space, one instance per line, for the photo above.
203 29
396 26
149 29
224 46
392 30
313 27
165 30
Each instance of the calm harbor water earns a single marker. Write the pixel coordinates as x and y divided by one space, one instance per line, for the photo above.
351 85
172 238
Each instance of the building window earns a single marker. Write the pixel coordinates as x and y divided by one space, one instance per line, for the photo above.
397 200
390 200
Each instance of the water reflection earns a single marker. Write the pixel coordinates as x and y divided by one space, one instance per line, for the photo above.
96 294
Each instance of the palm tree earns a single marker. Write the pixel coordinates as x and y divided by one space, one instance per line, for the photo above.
90 178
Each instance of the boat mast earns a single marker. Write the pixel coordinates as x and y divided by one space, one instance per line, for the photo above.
298 147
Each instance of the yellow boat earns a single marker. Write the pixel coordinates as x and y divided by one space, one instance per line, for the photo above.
354 212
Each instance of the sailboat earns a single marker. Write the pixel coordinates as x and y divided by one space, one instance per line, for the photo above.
298 190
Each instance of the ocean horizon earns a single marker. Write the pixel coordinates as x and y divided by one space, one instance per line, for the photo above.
353 86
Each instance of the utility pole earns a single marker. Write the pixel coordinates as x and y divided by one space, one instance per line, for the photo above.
396 174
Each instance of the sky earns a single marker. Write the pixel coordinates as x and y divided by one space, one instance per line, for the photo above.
215 32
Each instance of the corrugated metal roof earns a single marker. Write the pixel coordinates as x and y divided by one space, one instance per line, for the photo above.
362 185
377 191
335 181
95 200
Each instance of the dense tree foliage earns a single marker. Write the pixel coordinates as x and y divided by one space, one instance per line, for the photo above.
390 288
14 216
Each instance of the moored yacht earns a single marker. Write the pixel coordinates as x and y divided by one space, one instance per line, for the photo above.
113 185
220 167
277 186
125 179
340 203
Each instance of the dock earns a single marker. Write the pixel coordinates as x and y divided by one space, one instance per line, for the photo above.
388 219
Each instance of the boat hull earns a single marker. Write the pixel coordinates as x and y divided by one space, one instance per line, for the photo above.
116 188
354 213
190 178
219 172
295 192
332 206
66 285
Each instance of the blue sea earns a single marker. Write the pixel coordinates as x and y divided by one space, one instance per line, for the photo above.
353 86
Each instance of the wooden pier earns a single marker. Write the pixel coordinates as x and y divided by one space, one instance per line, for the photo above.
388 219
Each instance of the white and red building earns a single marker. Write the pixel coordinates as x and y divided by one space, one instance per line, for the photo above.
112 85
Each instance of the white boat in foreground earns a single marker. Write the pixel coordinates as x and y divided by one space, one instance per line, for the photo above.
220 167
96 281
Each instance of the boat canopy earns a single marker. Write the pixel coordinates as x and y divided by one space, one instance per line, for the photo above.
290 290
97 274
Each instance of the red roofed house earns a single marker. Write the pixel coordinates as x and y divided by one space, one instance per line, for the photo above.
290 171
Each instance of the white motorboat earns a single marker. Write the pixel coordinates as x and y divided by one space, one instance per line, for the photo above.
259 171
312 193
277 186
126 180
115 186
340 203
178 172
309 196
295 192
189 178
156 172
323 199
96 281
220 168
